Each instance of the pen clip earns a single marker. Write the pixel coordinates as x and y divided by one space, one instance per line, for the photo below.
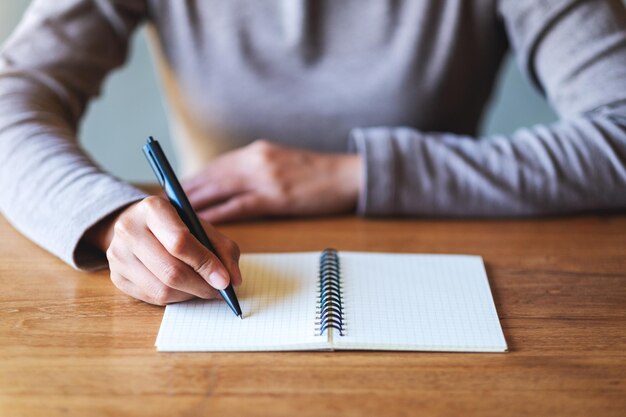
155 166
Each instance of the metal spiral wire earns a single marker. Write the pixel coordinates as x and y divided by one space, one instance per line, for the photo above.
330 299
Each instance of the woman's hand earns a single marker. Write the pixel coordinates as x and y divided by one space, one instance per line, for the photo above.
155 258
265 179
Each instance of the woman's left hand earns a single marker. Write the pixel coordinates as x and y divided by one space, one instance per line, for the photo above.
265 179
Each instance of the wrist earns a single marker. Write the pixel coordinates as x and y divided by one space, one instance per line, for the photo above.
351 173
100 234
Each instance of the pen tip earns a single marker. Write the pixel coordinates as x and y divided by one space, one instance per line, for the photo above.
241 316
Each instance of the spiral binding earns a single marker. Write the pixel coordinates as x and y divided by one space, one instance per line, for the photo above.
330 309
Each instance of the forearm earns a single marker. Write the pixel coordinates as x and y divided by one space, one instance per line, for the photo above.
50 67
51 191
572 166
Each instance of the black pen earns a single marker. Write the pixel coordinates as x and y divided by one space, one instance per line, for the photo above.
165 174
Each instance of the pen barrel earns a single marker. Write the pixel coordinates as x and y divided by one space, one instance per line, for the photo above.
189 217
174 192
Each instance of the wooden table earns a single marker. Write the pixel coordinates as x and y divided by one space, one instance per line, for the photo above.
72 345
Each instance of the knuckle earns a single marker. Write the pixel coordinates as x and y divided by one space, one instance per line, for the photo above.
264 151
261 144
216 188
245 205
240 205
273 173
211 294
206 264
111 254
161 295
122 226
153 203
117 280
172 275
180 243
283 188
232 248
152 200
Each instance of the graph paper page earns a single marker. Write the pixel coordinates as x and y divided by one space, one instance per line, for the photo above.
417 302
278 300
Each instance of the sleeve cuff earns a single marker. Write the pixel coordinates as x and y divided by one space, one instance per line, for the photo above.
79 254
376 147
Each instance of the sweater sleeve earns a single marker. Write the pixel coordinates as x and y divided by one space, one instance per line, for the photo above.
575 53
52 65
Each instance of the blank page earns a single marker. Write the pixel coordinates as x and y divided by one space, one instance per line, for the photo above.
278 300
417 302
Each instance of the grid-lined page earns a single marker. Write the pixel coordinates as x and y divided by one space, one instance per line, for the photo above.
278 301
417 302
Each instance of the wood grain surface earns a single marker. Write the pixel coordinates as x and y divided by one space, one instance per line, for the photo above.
72 345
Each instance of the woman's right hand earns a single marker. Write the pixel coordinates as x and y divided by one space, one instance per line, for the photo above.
154 257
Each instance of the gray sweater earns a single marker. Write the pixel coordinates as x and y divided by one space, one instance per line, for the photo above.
403 83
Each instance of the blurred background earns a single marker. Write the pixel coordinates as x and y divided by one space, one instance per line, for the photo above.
131 107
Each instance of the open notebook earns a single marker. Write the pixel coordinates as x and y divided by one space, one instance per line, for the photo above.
345 300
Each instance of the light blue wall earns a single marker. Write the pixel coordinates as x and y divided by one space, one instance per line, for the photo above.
131 107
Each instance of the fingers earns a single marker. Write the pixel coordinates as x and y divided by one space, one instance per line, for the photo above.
191 185
245 206
153 294
144 285
171 232
216 175
228 252
223 168
169 270
232 174
213 192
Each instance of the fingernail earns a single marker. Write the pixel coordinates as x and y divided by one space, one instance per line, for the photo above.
218 280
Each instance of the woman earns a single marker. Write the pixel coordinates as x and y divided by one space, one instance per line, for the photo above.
367 106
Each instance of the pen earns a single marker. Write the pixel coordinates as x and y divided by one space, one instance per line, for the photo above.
166 177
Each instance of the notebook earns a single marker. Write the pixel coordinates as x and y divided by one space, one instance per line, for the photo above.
344 300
